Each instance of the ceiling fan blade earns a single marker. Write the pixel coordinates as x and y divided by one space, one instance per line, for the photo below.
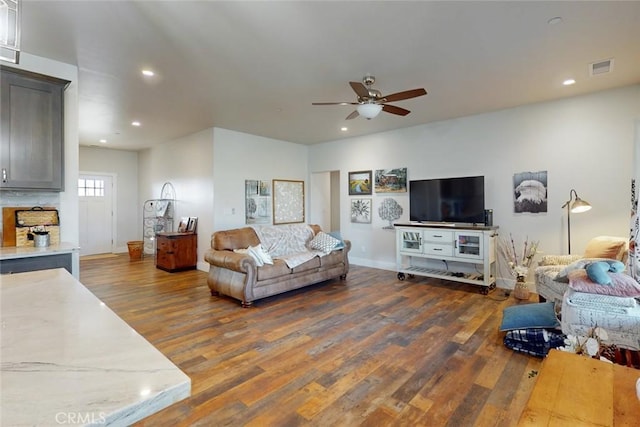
334 103
353 115
407 94
395 110
360 89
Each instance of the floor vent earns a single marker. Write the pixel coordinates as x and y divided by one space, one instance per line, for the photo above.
601 67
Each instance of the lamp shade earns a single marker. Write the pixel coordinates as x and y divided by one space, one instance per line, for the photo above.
369 111
579 206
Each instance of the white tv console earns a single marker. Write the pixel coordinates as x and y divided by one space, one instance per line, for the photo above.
463 253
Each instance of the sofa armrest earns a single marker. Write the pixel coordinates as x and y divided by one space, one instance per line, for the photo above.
241 263
347 245
558 259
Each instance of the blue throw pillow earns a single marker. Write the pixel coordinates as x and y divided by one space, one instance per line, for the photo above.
529 316
336 235
616 266
598 272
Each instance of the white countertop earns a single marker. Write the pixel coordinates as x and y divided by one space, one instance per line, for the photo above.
65 356
11 252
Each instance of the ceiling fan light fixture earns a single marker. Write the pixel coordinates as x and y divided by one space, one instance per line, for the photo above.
369 111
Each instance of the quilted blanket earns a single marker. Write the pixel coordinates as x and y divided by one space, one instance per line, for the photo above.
536 342
287 242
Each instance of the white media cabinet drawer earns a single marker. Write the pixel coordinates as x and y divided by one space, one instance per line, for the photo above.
438 250
441 236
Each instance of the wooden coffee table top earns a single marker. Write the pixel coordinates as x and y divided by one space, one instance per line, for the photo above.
577 390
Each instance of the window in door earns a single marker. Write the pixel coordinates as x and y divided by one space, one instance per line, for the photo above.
90 187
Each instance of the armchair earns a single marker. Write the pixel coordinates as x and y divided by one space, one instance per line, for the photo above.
551 287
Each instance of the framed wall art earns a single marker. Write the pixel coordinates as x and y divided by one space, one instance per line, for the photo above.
530 192
360 183
257 206
288 201
391 180
361 211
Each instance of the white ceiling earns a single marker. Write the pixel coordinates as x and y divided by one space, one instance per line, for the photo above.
256 67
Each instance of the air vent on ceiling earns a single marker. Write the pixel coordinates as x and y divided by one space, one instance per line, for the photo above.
601 67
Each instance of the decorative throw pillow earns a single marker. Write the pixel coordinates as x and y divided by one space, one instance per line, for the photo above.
606 247
324 242
622 285
598 272
529 316
337 235
563 275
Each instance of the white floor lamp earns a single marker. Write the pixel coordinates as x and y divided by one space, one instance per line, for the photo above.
578 206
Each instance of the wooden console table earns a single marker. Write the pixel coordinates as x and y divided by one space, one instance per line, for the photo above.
577 390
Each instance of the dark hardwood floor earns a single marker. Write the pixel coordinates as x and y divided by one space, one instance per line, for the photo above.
367 351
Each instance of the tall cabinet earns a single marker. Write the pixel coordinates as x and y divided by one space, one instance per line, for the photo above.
458 253
31 131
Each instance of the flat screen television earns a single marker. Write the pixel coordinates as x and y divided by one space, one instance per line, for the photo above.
449 200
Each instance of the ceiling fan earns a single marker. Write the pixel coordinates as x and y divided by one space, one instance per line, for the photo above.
371 102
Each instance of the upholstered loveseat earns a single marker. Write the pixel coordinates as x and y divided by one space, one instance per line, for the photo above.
550 286
593 293
234 272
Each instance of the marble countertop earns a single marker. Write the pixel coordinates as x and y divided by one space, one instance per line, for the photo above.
11 252
66 358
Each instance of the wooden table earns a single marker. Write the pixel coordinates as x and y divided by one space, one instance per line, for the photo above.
578 390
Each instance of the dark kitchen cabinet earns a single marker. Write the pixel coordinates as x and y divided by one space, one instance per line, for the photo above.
32 131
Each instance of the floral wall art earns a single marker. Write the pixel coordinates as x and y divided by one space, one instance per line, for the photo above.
361 211
530 192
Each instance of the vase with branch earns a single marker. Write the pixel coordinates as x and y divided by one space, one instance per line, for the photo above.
519 263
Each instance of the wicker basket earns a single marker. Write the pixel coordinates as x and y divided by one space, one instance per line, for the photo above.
135 249
37 217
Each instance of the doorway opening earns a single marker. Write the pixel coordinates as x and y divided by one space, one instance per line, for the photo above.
325 200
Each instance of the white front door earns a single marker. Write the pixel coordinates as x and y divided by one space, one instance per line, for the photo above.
95 194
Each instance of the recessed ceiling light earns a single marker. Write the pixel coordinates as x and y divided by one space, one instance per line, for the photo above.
344 128
569 82
555 20
148 73
104 141
136 123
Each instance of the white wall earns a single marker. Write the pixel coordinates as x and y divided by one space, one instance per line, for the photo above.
208 170
583 142
240 156
124 165
320 200
187 163
66 201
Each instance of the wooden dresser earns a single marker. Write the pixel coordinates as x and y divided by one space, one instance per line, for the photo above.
176 251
